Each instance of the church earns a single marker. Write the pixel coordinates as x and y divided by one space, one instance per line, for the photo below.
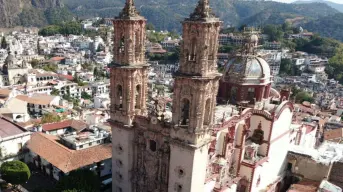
228 132
14 71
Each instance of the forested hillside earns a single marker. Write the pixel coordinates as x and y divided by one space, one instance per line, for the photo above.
32 12
167 14
330 26
337 6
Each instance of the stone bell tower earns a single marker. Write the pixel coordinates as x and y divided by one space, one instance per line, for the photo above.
129 76
194 100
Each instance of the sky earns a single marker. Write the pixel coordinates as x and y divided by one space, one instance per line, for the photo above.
289 1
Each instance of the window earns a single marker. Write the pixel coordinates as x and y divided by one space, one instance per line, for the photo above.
289 166
185 112
90 144
192 56
122 45
152 145
251 94
81 146
120 96
98 142
137 97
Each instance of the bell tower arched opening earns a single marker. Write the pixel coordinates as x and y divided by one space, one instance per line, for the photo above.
192 56
120 96
138 95
185 109
122 44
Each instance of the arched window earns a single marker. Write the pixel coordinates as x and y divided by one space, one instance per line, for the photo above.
207 116
251 94
185 112
233 95
243 185
122 45
152 145
192 55
138 97
120 96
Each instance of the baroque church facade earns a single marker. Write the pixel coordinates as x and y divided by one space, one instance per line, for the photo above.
245 152
14 71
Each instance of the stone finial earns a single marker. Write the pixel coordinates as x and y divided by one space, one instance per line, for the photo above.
202 11
129 10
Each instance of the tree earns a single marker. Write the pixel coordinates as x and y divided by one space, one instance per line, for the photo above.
95 72
150 26
87 66
34 63
3 43
85 95
50 67
286 66
15 172
79 180
55 92
76 78
51 118
303 96
274 32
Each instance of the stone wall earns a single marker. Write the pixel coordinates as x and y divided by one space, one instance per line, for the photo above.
307 167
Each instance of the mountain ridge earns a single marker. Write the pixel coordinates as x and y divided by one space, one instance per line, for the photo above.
336 6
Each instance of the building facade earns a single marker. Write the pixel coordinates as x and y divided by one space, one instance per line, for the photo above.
145 144
195 151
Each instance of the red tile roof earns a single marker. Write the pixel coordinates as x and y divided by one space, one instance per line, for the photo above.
68 77
333 134
37 99
65 159
75 124
8 128
304 186
57 58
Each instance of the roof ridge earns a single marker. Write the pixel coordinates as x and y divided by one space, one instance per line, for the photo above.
58 144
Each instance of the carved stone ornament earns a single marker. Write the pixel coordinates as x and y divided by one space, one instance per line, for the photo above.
154 120
186 90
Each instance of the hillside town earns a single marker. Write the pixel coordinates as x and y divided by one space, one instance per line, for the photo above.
148 110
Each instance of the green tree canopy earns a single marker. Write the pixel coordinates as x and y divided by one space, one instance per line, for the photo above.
34 63
51 118
303 96
15 172
50 67
80 180
85 95
150 26
274 32
67 28
287 67
54 92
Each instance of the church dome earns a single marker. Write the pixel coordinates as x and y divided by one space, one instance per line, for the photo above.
251 67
